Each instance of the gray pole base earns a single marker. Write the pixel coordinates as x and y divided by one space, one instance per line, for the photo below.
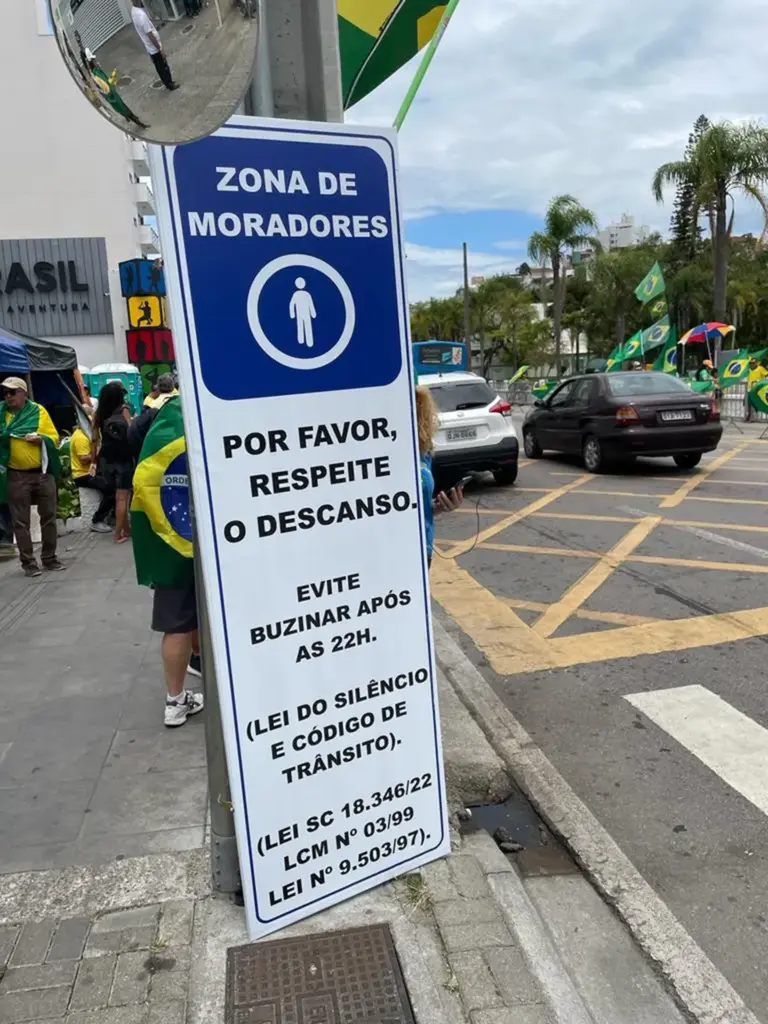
225 868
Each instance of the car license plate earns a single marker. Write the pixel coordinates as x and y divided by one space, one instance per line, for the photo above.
677 416
462 434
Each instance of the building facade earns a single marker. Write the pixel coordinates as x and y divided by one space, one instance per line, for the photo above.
74 197
623 234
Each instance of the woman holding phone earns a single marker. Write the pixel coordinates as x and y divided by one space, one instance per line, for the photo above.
427 423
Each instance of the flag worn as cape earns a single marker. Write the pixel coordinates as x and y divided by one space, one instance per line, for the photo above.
376 37
25 421
651 286
161 519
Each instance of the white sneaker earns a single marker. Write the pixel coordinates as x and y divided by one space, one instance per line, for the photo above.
177 712
100 528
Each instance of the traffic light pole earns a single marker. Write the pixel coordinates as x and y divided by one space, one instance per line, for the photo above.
298 76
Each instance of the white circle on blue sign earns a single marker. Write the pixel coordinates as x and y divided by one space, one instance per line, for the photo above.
301 312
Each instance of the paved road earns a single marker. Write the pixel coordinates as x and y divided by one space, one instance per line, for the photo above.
622 618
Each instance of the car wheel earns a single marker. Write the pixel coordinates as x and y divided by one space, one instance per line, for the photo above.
594 456
688 461
531 445
505 476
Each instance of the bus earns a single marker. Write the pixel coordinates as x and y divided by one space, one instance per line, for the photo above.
440 357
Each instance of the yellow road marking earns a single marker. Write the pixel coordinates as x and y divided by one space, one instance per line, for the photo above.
535 549
685 563
515 517
615 618
493 626
629 494
583 588
693 482
695 563
582 516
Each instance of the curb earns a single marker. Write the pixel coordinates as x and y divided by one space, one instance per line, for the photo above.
700 989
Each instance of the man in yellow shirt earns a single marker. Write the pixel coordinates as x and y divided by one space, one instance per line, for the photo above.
81 457
29 467
757 372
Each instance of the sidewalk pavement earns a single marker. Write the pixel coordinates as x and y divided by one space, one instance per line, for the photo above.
106 911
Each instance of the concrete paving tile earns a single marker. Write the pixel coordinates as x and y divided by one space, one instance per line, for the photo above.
100 849
127 805
33 943
45 811
19 1007
93 984
155 750
69 940
37 857
19 979
131 981
64 751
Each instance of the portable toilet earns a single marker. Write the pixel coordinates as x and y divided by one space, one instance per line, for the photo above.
128 376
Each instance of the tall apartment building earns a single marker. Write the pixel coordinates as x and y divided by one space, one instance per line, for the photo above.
623 234
74 194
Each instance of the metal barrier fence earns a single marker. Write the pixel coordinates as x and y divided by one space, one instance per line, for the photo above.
733 406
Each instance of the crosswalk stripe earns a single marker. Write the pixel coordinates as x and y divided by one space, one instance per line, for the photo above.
727 741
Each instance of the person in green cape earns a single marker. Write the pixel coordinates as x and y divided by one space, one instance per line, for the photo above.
29 469
106 85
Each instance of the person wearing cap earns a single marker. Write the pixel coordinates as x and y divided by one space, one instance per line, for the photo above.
29 468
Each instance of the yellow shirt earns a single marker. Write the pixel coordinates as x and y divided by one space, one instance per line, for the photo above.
756 375
24 454
79 446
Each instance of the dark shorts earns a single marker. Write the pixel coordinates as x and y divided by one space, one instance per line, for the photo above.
118 476
174 609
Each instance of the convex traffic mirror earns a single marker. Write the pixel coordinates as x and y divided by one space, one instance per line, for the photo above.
166 71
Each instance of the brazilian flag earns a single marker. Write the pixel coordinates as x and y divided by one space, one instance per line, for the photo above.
543 387
758 396
377 37
656 334
161 518
735 371
633 349
659 308
652 285
666 361
615 359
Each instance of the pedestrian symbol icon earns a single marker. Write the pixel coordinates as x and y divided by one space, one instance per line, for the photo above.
303 312
305 320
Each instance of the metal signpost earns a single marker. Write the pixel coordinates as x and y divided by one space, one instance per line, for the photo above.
285 271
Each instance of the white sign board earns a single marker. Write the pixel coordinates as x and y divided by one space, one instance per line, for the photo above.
285 274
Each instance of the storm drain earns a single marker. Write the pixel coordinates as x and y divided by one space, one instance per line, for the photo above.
347 977
521 834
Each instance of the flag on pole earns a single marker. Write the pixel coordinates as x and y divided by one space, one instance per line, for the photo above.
615 359
656 334
633 347
735 371
651 286
376 37
659 308
518 375
666 361
759 356
160 511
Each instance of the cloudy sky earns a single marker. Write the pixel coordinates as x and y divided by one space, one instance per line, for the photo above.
530 98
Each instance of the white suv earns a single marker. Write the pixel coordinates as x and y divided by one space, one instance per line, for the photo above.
476 429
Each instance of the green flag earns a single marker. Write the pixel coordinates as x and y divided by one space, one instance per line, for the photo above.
656 334
160 511
543 387
518 375
25 421
666 361
659 308
758 396
651 286
759 356
735 371
615 359
633 347
377 37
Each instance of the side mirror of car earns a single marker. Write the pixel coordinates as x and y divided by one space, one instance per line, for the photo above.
539 403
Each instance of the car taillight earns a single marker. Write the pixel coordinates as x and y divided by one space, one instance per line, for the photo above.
625 415
503 407
714 410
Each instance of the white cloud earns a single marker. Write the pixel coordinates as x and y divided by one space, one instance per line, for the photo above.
530 98
441 271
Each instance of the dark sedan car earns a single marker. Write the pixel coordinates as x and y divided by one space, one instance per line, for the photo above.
612 416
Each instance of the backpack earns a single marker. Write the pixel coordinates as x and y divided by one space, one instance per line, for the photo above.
115 438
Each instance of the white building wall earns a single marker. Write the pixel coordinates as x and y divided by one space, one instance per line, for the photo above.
65 171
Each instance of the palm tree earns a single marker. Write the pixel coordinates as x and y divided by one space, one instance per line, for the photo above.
566 227
728 158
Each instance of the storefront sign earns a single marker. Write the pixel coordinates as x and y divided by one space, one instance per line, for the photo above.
55 286
292 347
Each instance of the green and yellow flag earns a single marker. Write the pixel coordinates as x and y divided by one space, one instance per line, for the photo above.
377 37
651 286
633 347
656 334
25 421
758 396
735 371
659 308
615 359
161 518
666 361
516 377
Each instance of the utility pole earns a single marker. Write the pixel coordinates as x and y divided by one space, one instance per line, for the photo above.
467 328
297 75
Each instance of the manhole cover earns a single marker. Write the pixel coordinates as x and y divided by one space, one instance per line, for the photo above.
124 81
187 29
349 977
158 85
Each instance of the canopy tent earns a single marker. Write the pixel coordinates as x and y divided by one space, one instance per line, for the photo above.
52 370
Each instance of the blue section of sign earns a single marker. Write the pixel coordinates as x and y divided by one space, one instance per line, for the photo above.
174 497
299 314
